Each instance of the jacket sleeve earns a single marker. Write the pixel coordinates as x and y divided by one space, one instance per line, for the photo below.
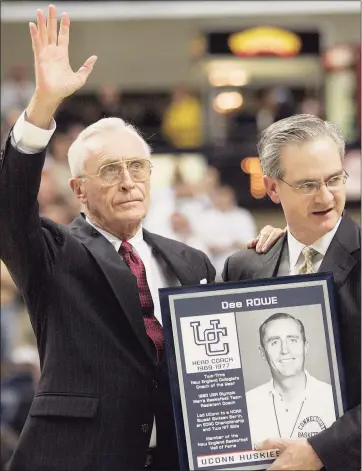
339 447
211 272
225 273
25 247
236 266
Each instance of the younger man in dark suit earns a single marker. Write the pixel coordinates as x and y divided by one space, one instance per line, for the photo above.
302 161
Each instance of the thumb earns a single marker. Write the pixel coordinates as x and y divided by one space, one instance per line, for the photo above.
86 68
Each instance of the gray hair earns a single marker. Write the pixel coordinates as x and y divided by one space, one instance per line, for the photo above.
296 129
81 148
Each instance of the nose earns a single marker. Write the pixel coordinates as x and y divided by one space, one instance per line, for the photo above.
324 195
126 183
284 347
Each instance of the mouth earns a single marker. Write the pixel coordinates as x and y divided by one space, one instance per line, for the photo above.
322 213
129 202
286 360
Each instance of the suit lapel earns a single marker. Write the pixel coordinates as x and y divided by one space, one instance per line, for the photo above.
119 277
176 258
271 260
338 258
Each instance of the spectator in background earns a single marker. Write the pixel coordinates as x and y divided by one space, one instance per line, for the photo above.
225 227
18 384
182 231
274 104
8 120
57 160
16 89
59 213
109 101
183 197
182 122
193 199
48 192
10 307
311 105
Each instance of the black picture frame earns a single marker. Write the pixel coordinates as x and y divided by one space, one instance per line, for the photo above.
300 293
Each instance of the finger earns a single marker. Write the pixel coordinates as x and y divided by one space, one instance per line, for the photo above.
52 25
252 243
35 39
275 235
263 237
63 38
86 68
42 27
272 444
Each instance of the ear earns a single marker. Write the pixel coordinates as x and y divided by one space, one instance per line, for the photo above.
306 347
262 353
272 188
77 187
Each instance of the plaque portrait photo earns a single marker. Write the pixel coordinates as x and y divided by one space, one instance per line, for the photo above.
286 372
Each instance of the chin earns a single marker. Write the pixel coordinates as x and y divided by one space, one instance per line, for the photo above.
131 217
324 224
327 226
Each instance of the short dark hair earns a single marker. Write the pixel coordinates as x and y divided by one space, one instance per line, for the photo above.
275 317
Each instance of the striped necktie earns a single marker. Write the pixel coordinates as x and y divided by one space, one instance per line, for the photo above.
153 327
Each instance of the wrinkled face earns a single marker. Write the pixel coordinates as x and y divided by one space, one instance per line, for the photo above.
117 205
309 216
284 348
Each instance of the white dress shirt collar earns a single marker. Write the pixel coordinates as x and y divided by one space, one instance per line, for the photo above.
307 391
321 245
136 240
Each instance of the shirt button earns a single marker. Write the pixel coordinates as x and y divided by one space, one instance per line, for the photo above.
154 384
145 428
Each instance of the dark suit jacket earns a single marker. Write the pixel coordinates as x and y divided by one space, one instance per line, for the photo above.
100 386
338 447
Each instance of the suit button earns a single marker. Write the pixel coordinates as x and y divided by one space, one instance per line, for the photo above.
145 428
154 384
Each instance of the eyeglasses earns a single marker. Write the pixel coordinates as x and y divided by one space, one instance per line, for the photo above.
312 188
139 171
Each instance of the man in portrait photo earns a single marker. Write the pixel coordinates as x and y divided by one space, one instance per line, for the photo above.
293 404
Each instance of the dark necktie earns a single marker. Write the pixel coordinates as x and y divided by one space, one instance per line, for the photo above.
153 327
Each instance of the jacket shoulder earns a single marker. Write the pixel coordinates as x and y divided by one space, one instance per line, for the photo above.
241 265
172 244
243 256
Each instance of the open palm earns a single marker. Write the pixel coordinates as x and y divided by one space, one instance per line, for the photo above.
54 76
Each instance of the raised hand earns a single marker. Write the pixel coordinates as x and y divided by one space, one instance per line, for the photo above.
55 78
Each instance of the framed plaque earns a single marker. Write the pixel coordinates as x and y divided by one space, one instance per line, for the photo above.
250 361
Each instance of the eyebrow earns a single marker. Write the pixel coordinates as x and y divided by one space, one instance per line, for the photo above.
118 161
307 180
288 336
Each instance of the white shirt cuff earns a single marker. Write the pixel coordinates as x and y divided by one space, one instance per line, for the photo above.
30 139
